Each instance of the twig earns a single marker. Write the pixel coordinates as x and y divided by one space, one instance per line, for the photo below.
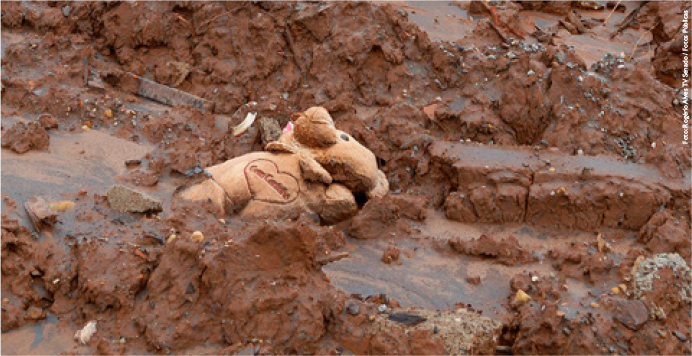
333 257
611 13
637 44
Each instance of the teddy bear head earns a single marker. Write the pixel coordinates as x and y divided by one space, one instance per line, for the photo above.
330 154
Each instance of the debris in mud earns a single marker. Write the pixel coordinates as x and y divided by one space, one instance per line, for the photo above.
407 319
459 330
35 313
171 96
391 255
126 200
23 137
47 121
84 335
62 205
507 251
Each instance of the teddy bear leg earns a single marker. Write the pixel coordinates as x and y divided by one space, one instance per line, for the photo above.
207 190
381 188
340 204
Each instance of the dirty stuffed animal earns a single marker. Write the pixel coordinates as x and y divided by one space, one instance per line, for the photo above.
312 168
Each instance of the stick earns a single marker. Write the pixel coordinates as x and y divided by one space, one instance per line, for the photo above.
611 13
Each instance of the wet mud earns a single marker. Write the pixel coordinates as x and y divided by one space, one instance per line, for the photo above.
539 192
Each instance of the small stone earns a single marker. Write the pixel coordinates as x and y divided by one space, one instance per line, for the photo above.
662 333
197 236
382 308
108 113
353 308
65 10
62 205
171 238
133 162
580 152
615 290
85 128
594 305
126 200
560 313
521 297
34 313
223 221
551 169
47 121
680 335
631 313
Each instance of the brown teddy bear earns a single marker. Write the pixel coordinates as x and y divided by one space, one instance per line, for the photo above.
312 168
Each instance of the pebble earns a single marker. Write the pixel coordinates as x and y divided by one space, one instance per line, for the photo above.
580 152
34 313
108 113
382 308
353 308
62 205
197 236
680 335
631 313
615 290
594 305
171 238
85 128
551 169
65 10
521 297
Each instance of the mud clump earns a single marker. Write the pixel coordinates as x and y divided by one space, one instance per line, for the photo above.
23 137
380 218
506 251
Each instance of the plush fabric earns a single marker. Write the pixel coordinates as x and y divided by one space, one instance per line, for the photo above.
312 168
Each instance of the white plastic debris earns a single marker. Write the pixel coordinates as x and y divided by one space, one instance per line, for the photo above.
86 333
249 119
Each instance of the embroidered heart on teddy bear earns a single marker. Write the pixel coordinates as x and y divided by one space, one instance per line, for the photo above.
268 184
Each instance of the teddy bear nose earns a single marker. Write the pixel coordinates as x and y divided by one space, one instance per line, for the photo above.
344 137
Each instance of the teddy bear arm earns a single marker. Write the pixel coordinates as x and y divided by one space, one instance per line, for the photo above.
339 204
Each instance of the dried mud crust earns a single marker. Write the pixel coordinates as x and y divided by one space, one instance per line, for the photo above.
401 95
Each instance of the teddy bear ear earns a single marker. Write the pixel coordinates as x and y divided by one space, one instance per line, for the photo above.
280 147
314 171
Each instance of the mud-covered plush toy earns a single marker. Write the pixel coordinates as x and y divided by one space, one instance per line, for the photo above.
312 168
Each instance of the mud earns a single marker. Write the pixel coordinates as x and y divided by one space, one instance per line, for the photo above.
529 146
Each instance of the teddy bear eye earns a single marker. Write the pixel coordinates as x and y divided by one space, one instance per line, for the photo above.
344 137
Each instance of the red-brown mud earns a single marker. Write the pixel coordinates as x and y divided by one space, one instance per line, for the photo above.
531 146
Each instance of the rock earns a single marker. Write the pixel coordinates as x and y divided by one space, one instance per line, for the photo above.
47 121
197 236
521 297
353 308
270 130
23 137
680 335
631 313
391 254
126 200
35 313
40 213
66 10
407 319
62 205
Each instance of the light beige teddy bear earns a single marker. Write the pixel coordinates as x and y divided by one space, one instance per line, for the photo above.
312 168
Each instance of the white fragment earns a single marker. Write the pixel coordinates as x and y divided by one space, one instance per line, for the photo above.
86 333
249 119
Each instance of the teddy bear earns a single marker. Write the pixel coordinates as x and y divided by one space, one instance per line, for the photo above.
312 168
